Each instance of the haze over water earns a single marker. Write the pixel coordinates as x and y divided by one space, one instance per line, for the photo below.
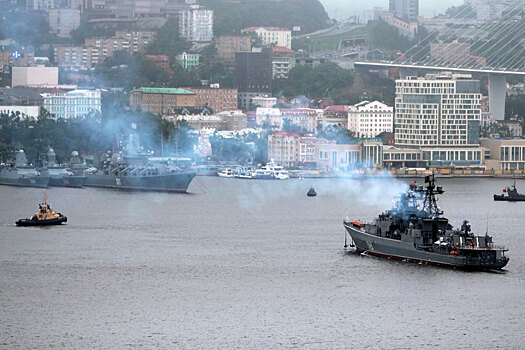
248 264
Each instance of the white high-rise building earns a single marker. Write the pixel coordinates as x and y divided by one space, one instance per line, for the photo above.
438 111
272 35
368 119
72 104
196 24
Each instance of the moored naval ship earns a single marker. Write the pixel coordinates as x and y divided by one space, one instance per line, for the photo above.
133 171
415 230
22 174
59 175
512 195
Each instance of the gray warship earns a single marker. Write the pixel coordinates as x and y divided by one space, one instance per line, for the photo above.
414 230
132 170
22 174
59 175
512 195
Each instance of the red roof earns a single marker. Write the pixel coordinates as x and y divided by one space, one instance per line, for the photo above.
275 29
337 109
282 49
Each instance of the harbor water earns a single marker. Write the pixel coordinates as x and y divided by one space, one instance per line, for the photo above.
249 264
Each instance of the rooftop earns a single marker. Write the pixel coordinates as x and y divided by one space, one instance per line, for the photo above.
171 91
273 29
282 49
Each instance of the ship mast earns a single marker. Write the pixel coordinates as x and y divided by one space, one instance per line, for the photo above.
430 196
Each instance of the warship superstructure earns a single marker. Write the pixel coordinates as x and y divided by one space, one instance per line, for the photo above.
415 230
22 174
60 175
132 170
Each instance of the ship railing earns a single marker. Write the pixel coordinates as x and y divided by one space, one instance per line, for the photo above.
490 247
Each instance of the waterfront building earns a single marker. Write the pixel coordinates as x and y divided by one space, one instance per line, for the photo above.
233 120
228 45
283 148
188 60
63 20
505 154
368 119
196 24
34 76
337 157
219 99
306 119
438 110
72 104
272 36
283 60
336 115
159 100
253 75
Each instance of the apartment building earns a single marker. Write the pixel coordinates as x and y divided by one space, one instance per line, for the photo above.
196 24
96 50
283 60
253 75
368 119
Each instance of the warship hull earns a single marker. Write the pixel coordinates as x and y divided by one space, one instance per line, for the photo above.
36 181
405 251
67 181
520 198
157 183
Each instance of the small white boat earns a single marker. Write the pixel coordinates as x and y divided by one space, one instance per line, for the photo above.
226 172
244 173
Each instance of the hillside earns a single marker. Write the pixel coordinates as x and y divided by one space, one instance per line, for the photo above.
234 15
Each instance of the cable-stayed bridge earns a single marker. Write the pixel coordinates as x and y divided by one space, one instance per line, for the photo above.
496 48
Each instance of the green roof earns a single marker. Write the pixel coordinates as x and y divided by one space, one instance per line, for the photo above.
173 91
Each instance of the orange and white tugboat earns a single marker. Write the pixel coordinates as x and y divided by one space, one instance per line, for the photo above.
44 216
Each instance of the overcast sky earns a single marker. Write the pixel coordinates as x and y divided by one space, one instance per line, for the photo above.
340 9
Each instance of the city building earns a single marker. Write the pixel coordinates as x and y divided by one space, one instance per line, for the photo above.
253 75
505 154
283 60
438 110
342 157
219 99
308 150
63 20
283 148
405 9
20 97
161 61
272 36
129 9
305 119
96 50
196 24
21 111
228 45
336 115
16 56
188 60
34 76
404 27
368 119
72 104
233 120
159 100
264 101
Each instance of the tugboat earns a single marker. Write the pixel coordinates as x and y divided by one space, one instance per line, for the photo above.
512 195
414 230
45 216
311 192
